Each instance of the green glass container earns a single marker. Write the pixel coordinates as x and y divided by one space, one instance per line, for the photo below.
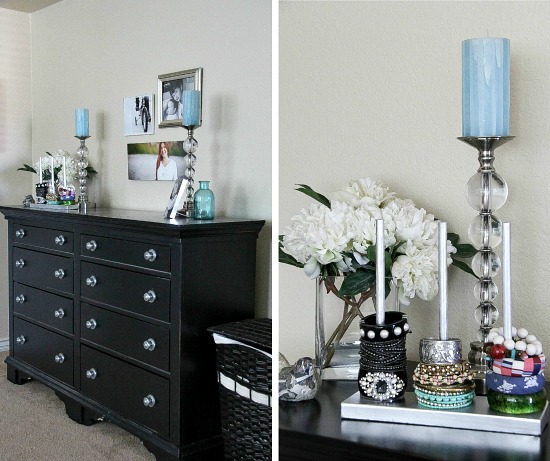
516 404
204 202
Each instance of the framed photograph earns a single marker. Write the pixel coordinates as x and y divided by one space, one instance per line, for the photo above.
139 115
176 197
171 87
160 161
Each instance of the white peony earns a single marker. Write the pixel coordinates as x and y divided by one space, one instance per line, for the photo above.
365 192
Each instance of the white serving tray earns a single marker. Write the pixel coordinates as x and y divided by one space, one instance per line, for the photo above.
476 416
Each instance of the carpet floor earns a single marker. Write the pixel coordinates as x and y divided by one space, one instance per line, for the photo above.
34 426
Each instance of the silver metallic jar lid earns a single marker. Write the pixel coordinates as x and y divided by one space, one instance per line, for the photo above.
440 351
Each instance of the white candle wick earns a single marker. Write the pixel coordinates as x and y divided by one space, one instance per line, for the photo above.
506 280
380 273
442 262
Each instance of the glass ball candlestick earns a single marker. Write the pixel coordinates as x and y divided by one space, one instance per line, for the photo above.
82 164
190 146
486 192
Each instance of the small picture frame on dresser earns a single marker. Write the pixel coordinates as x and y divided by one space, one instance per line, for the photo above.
178 191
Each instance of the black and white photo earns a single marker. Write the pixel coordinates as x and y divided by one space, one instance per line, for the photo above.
170 88
138 115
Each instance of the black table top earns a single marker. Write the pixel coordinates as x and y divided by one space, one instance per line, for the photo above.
313 430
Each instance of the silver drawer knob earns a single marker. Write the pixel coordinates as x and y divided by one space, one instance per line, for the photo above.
59 313
150 296
59 358
20 299
20 233
59 240
149 400
150 255
91 281
21 340
91 245
91 373
59 273
150 344
91 324
20 263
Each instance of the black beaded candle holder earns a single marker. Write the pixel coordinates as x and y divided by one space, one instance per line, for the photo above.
383 357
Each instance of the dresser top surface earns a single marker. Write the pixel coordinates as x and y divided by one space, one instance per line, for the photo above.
132 218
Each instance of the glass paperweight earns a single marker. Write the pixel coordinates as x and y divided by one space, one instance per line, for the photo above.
485 291
486 314
485 230
516 404
204 202
486 264
486 191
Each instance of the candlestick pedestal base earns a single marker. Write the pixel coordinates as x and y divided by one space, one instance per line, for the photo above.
477 357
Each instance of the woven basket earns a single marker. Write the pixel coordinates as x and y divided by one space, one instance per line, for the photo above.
243 351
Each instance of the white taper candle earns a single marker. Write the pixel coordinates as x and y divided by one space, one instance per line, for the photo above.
442 263
53 186
380 273
40 169
506 281
64 174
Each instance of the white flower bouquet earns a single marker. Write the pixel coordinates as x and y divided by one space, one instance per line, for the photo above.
338 237
71 168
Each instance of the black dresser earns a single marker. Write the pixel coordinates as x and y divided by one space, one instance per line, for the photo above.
110 309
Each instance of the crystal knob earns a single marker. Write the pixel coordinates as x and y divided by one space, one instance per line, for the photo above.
150 255
20 233
59 273
19 263
150 296
59 240
20 299
59 358
149 344
21 340
91 324
91 281
59 313
91 373
91 245
149 400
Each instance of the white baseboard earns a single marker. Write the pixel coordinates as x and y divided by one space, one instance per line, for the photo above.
4 344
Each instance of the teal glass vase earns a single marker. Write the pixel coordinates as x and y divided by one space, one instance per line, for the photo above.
204 202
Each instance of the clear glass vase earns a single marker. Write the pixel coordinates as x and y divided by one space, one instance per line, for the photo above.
337 331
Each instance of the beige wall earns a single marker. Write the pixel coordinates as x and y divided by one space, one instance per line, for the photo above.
93 54
15 129
374 89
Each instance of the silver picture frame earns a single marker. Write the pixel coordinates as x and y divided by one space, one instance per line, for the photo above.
170 88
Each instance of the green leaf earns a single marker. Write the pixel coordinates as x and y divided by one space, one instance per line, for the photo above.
27 168
285 257
454 238
315 195
464 250
371 255
465 267
357 282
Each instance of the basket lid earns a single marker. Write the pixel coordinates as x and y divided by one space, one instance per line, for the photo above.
253 332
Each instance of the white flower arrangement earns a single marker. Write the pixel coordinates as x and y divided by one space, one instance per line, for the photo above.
338 237
71 167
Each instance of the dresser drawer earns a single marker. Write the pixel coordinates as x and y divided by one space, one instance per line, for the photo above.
53 239
123 387
147 255
134 338
140 293
35 268
53 310
43 349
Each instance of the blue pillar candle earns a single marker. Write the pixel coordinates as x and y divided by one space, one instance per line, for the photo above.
486 87
81 123
191 108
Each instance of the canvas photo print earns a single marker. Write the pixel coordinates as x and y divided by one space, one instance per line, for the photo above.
156 161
